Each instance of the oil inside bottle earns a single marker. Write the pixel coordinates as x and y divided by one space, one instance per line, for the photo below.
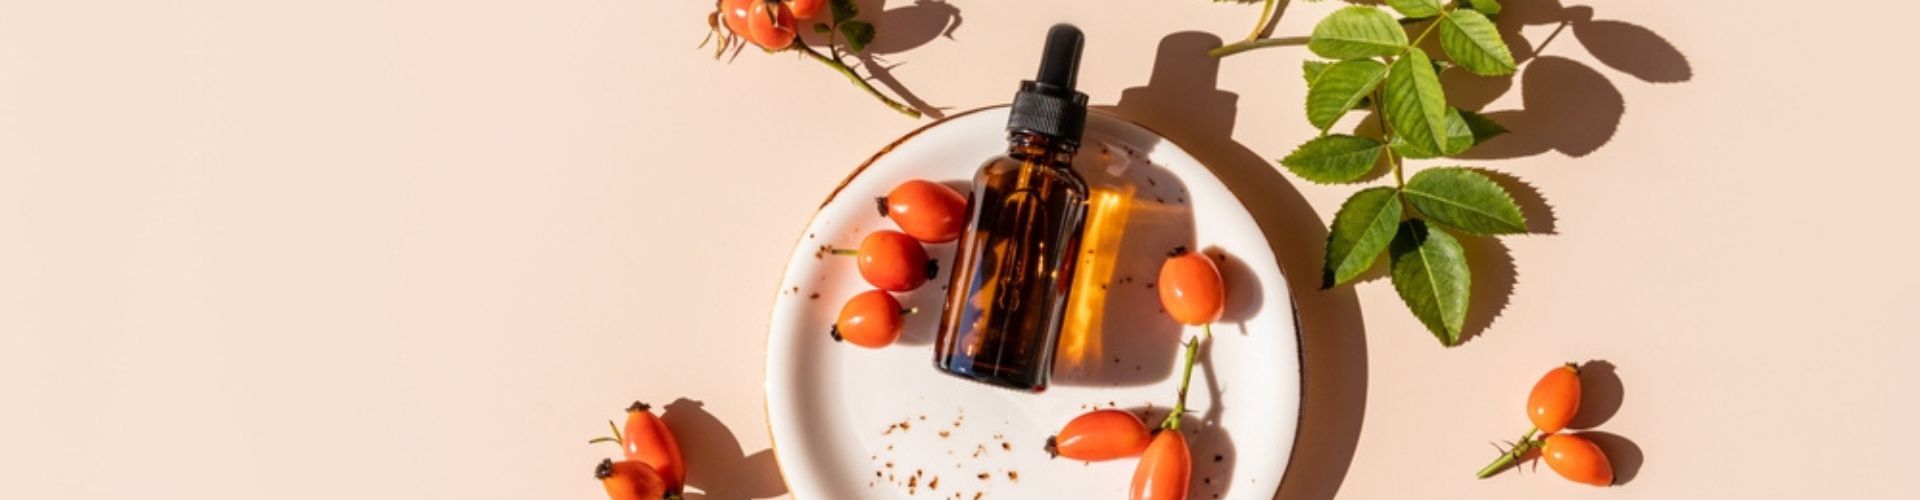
1015 267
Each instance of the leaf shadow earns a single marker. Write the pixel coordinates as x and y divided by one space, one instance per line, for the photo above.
1629 48
1540 216
1494 276
1182 101
716 465
1566 105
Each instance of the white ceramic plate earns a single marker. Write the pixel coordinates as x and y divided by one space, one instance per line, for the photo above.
851 423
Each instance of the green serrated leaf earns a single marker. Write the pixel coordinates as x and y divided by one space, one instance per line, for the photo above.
1483 128
843 10
1488 7
1465 199
1334 158
1311 69
1361 230
1471 40
1430 272
1462 132
1416 8
1415 105
857 33
1339 88
1357 32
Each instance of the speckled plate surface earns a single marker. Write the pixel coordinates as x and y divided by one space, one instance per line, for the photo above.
849 422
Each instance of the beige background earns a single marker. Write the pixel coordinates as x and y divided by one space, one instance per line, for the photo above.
377 249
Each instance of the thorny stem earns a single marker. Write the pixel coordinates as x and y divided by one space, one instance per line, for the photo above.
1186 379
1386 130
617 439
1393 163
847 71
1253 40
1266 14
1527 443
1238 47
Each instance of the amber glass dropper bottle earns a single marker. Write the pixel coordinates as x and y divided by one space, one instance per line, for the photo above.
1014 265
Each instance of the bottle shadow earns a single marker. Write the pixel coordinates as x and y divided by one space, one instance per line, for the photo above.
716 465
1182 102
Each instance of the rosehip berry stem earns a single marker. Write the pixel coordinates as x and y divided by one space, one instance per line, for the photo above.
1527 443
1186 378
847 71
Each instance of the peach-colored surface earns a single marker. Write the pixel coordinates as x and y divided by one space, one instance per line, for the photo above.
374 249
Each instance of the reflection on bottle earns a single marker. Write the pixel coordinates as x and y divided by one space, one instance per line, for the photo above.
1109 206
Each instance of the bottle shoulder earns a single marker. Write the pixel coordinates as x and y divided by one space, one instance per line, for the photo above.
1007 166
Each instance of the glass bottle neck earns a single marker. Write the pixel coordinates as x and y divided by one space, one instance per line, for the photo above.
1039 148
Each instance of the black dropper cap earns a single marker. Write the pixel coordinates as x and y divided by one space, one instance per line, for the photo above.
1048 104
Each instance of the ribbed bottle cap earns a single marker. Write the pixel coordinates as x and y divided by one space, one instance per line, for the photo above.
1049 104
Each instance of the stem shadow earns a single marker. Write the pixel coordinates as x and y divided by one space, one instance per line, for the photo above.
1494 276
898 30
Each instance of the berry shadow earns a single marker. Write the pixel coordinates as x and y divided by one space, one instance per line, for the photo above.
716 465
1601 394
1625 456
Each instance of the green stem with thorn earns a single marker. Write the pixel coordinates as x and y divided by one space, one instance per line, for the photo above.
1186 379
1253 40
837 65
1527 443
